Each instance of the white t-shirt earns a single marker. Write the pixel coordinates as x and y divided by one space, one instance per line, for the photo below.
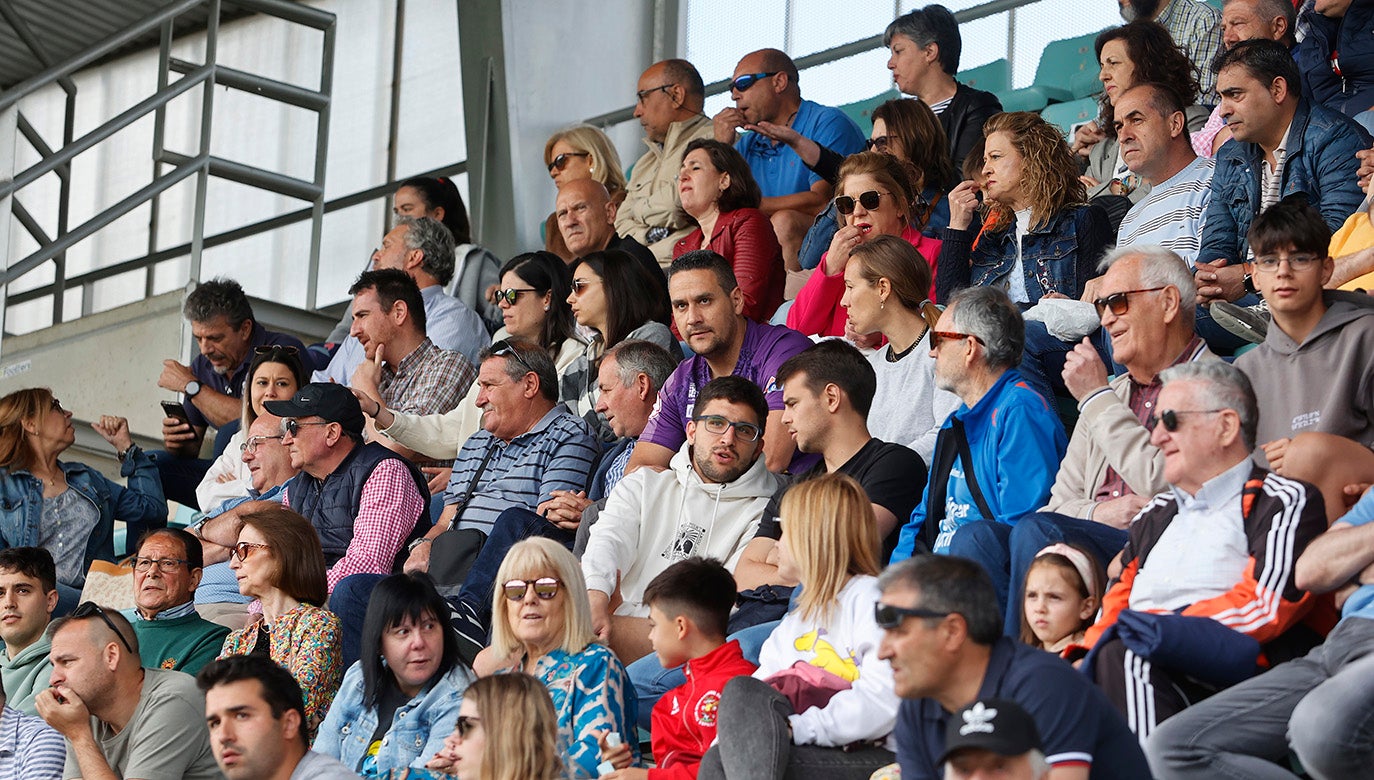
1016 284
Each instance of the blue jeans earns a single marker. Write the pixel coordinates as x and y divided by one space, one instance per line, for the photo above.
511 526
1035 532
348 602
989 543
1319 704
1042 360
651 680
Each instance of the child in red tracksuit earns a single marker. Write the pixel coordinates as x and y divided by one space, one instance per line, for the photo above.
689 606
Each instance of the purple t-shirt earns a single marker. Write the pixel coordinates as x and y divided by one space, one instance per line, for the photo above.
765 349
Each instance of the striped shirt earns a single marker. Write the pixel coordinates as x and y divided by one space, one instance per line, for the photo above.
558 453
1172 214
1196 27
29 748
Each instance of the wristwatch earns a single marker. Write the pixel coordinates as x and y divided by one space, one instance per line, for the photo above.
134 449
192 387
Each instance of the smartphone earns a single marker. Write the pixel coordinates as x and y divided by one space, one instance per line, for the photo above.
174 409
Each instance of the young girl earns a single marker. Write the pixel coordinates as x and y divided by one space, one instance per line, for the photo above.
1063 591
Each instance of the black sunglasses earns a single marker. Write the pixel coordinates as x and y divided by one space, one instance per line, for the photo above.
544 587
512 294
748 80
1169 417
275 349
88 608
1120 303
292 426
889 617
879 143
869 200
561 160
504 347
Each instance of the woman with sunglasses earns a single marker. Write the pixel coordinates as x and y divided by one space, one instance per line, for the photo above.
719 193
542 626
476 269
69 509
278 561
400 700
835 718
507 730
275 374
877 197
580 152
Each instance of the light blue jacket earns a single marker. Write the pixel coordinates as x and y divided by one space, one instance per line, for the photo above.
417 729
141 505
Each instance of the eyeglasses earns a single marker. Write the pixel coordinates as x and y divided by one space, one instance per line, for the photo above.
717 425
88 608
512 294
276 348
889 616
466 723
644 93
241 550
1270 263
1120 303
869 200
292 427
1169 417
880 143
163 564
561 160
748 80
937 337
579 285
251 446
504 347
544 587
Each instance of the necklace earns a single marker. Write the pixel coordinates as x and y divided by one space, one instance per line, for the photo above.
893 355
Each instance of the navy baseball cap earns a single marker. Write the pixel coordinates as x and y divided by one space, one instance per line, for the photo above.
326 400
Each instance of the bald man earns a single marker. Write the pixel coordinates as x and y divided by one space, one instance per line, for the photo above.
586 219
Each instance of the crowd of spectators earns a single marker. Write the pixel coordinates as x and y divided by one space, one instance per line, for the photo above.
1059 467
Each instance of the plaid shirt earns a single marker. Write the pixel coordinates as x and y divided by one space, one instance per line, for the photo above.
387 511
29 748
427 381
1196 28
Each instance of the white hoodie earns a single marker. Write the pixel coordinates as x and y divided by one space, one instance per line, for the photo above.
654 519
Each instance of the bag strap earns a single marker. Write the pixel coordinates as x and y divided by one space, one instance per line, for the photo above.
957 429
472 483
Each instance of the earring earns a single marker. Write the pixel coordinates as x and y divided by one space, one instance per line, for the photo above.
546 307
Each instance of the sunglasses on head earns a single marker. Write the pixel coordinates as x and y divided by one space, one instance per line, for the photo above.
748 80
503 348
889 617
869 200
561 161
545 588
88 608
1120 303
276 349
1169 417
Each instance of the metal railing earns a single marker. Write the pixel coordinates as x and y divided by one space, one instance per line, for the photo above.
169 167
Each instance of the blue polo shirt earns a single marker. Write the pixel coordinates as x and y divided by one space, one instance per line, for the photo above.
1077 725
231 384
778 169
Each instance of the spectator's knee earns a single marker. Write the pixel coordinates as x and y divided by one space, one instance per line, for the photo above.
1330 741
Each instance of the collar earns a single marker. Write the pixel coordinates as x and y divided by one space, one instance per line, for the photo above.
1000 657
1166 15
991 401
189 608
676 131
720 657
1190 353
1218 491
417 355
540 427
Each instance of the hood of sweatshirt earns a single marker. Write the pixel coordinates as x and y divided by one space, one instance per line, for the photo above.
1342 308
39 649
757 482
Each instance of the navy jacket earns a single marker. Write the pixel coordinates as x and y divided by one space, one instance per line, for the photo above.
1353 37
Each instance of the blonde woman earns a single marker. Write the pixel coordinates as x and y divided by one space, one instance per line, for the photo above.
837 717
580 152
506 730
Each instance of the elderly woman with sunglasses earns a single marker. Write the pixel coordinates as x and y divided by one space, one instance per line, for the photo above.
69 509
576 153
542 626
878 197
279 562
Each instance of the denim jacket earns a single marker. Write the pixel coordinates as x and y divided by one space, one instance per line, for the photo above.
1060 256
417 729
1320 161
141 504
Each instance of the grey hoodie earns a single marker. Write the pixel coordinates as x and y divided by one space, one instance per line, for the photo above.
1326 383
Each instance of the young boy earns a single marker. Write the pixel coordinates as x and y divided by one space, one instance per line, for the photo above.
689 606
1311 374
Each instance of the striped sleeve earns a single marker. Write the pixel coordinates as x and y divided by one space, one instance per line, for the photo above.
40 753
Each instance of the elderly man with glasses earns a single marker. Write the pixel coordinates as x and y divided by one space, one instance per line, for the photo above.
172 635
119 718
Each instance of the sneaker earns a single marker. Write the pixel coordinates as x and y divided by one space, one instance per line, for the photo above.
1248 322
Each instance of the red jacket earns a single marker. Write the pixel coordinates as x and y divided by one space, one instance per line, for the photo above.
684 720
745 237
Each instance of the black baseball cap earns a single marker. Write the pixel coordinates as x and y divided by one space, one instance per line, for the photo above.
996 725
326 400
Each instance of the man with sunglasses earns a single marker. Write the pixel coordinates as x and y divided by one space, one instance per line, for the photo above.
1312 373
1221 543
121 719
765 89
942 635
171 634
669 99
1110 470
228 337
708 503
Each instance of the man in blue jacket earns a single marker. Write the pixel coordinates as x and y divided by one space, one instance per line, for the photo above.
1280 145
997 455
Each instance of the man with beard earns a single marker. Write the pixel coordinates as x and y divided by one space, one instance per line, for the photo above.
708 504
1194 25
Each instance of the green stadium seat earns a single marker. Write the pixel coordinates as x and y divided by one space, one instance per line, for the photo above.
862 111
992 77
1059 75
1066 115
